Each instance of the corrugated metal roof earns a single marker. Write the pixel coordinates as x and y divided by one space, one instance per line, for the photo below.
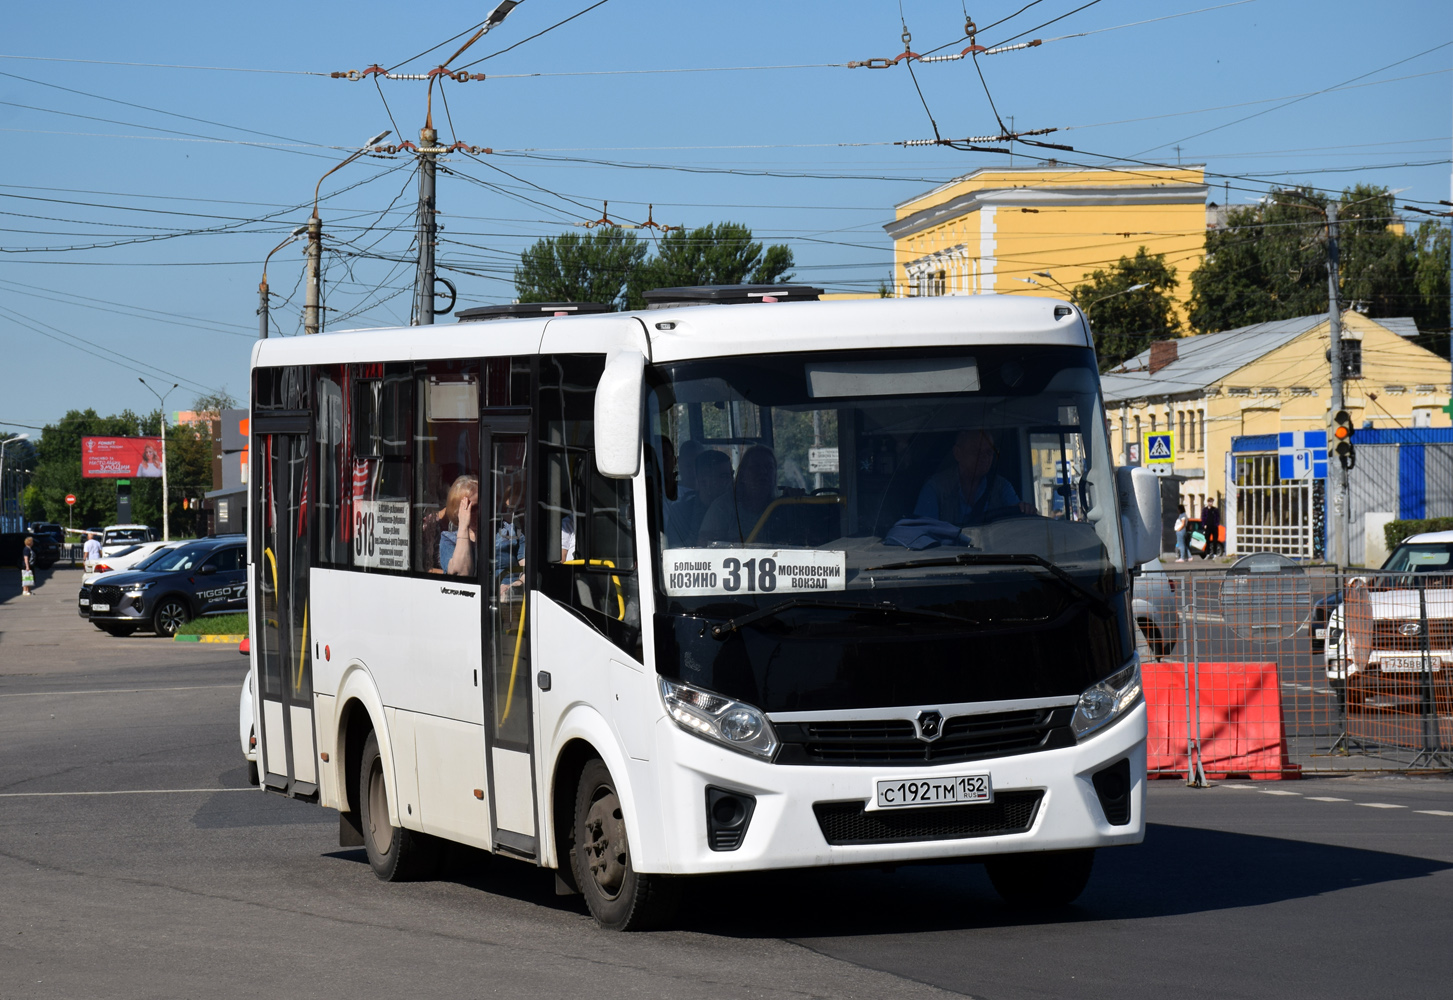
1403 326
1204 360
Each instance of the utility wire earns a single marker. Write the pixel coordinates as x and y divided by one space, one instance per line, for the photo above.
537 34
109 62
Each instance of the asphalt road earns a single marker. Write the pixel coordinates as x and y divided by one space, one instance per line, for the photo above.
134 862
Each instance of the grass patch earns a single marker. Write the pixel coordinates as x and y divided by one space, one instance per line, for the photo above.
216 625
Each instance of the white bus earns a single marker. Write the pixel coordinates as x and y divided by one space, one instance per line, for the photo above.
637 596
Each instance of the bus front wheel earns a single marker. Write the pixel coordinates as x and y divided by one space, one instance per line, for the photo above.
394 853
619 897
1044 881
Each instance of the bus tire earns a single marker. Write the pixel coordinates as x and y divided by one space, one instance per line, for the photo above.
619 897
1043 881
394 853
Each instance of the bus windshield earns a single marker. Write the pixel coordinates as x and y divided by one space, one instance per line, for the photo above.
966 490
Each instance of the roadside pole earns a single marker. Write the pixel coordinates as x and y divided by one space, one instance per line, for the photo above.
165 495
313 300
1341 507
428 226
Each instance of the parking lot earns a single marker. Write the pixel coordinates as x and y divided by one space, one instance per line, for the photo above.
138 863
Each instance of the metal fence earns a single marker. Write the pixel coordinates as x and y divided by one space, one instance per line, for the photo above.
1269 669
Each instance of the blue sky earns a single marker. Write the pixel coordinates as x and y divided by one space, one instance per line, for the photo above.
810 147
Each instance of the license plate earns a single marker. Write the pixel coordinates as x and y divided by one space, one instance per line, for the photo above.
962 789
100 607
1320 633
1407 664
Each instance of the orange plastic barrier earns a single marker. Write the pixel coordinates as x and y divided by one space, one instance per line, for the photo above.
1241 725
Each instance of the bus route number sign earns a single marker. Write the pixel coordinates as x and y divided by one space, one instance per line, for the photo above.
381 534
739 572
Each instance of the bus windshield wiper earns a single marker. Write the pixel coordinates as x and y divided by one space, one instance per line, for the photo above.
722 629
1101 606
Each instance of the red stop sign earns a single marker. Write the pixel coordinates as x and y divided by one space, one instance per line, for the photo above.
70 499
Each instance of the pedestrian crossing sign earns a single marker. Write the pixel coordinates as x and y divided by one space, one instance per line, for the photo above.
1160 449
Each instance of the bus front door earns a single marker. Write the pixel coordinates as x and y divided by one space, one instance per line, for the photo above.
509 729
287 761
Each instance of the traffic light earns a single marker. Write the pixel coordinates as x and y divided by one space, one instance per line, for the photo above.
1342 436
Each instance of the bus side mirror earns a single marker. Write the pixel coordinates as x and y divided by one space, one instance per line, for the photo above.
618 415
1139 492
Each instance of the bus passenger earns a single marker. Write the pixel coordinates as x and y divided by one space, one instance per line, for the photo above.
711 478
967 491
461 517
733 515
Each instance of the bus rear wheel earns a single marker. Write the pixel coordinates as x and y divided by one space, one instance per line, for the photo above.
619 897
394 853
1045 881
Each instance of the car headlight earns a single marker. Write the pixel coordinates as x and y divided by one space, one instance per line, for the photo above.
733 724
135 589
1103 703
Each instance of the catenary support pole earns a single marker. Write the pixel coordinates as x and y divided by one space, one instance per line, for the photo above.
313 303
1340 500
262 309
428 227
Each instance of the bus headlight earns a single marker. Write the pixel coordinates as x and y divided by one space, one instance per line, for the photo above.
733 724
1103 703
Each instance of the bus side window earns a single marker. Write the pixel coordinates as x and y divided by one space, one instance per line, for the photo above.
446 468
587 522
380 487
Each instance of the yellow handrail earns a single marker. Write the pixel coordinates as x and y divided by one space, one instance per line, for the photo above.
515 666
785 502
620 591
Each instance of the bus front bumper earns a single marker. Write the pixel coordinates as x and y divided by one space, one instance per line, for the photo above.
816 815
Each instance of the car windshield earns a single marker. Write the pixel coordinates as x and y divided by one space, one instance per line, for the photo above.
180 559
122 535
974 482
1421 557
155 557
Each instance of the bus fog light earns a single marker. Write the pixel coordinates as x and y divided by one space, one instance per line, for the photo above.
721 720
1103 703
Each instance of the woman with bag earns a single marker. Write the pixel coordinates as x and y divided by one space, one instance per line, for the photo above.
28 561
1183 553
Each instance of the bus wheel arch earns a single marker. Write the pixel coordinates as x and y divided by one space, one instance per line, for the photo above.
618 896
354 725
569 765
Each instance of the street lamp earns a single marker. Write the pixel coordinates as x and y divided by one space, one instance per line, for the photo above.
18 437
1123 291
165 519
262 286
1046 274
312 300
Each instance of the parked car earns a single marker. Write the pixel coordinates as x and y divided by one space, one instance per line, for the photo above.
116 537
47 549
1375 638
142 561
131 557
49 528
1154 607
206 576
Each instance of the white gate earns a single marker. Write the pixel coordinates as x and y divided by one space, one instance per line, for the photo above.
1272 514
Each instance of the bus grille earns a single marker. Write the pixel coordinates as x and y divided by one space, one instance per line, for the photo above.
894 741
852 823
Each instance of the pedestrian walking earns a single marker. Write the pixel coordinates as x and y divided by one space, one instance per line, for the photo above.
1211 525
93 551
28 561
1183 549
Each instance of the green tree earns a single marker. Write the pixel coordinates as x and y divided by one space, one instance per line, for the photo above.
1125 322
571 267
213 403
1270 262
721 253
1430 278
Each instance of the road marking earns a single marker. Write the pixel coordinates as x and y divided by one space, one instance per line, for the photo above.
1324 798
190 687
1277 791
128 791
1434 812
1380 805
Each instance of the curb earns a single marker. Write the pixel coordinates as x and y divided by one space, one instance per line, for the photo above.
209 638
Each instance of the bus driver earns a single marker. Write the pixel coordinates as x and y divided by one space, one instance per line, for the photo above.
969 491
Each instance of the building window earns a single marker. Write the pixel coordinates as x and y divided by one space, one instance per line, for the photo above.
1301 390
1395 390
1237 390
1426 390
1152 423
1269 390
1181 442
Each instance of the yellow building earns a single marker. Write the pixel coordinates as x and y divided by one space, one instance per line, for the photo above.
997 229
1265 379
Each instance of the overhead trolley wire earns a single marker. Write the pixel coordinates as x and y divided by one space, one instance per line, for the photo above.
536 35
